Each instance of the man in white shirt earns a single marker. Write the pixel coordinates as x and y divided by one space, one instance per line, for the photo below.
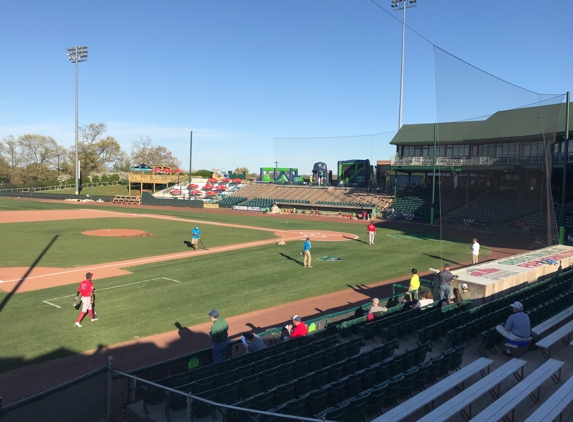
475 251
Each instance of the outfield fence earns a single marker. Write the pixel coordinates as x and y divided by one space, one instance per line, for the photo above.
58 187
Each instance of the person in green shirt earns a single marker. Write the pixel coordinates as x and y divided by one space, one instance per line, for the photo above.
218 336
414 284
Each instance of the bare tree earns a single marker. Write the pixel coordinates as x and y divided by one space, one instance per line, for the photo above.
95 152
143 151
241 170
40 155
91 133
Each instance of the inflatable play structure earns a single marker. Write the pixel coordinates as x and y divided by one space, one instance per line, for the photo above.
354 173
320 175
280 175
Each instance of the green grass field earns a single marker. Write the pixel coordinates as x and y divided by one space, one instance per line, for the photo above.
151 299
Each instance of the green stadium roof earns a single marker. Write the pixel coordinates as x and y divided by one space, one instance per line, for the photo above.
508 125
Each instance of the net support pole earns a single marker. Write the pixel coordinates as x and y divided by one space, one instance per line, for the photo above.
432 212
109 397
564 184
395 185
190 157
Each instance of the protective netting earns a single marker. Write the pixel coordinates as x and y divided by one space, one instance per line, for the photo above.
494 148
303 153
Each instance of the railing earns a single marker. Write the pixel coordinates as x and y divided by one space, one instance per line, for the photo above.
134 178
474 161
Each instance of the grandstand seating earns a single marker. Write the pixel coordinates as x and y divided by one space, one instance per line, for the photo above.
360 368
265 195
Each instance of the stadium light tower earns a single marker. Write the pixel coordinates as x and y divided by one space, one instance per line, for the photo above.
402 5
76 55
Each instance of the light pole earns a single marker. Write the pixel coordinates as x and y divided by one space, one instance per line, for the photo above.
76 55
402 5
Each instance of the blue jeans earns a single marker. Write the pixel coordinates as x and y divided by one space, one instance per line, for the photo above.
445 291
219 350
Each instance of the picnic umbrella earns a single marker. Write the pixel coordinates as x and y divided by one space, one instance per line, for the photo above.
193 186
237 180
225 180
212 193
178 171
220 187
196 192
208 187
212 180
175 192
158 170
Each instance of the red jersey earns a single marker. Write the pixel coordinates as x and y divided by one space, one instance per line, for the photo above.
86 288
371 228
299 331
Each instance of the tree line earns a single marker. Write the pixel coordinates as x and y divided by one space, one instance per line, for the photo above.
32 160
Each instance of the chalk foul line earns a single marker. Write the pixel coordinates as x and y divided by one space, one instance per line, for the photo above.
48 301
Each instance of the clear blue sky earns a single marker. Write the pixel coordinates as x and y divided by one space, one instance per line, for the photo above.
241 74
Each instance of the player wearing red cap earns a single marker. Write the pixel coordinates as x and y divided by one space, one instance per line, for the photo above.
86 291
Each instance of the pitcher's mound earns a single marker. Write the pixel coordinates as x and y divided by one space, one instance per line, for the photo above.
117 233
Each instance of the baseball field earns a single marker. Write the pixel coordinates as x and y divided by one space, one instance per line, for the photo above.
147 277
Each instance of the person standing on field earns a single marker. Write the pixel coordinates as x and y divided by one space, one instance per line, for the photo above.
86 291
196 236
307 258
371 233
475 251
218 336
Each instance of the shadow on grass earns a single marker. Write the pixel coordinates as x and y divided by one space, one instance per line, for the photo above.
291 259
34 264
445 260
355 239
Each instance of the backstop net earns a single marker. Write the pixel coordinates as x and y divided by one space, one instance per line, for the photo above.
303 153
495 143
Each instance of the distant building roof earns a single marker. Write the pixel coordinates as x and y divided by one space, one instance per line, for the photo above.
507 125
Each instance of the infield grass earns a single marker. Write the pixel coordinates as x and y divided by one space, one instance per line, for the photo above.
235 282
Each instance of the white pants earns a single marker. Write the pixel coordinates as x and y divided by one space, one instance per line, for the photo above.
86 303
371 237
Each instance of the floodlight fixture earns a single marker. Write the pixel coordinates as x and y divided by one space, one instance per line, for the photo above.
76 55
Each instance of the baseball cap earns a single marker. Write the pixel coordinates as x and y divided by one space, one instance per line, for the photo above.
214 313
196 227
88 275
464 286
308 238
517 305
447 266
296 318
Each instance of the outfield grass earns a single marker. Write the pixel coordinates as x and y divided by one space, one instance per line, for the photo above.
235 282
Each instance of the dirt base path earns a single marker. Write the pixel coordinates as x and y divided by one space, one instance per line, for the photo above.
43 277
32 379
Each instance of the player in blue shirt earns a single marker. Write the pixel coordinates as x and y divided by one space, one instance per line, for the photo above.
306 253
196 236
